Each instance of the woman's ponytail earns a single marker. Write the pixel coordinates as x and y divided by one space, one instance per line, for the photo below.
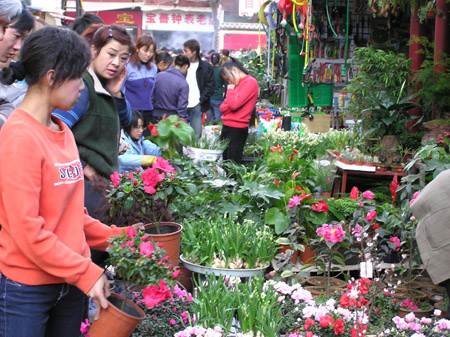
15 71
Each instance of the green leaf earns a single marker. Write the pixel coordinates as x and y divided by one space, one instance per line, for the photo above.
128 203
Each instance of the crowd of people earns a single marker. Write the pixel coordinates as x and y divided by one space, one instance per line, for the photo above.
74 108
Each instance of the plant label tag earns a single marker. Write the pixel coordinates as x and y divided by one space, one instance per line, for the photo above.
366 269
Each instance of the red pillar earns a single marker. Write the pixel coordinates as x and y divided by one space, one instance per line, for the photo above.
441 36
416 31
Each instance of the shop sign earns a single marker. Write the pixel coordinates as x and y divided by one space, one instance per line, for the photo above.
121 18
249 7
178 21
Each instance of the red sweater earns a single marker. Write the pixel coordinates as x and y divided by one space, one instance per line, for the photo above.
46 232
240 102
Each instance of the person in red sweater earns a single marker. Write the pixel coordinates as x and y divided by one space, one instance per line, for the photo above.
237 108
45 265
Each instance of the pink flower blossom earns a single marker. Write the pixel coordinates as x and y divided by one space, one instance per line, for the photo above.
131 232
295 175
163 165
294 201
130 175
84 328
416 195
371 215
172 321
115 178
367 195
354 194
396 240
176 273
357 231
331 233
184 316
146 248
443 324
130 243
151 177
320 206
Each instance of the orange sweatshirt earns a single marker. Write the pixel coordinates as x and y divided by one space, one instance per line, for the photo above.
46 232
239 103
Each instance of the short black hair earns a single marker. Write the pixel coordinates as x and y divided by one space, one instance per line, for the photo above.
163 56
193 45
83 22
181 60
26 21
135 117
50 48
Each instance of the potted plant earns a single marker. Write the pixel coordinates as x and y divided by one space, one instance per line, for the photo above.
227 243
170 134
137 261
325 172
206 148
149 193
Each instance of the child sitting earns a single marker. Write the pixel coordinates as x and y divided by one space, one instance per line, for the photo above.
141 152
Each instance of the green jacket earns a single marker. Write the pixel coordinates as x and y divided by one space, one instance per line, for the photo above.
97 132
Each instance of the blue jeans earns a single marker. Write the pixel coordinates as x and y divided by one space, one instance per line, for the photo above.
51 310
215 116
195 119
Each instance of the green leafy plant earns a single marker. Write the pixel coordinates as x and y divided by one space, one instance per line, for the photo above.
169 134
325 172
225 242
158 183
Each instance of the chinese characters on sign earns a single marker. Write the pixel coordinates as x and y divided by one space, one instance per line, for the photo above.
249 7
128 18
173 21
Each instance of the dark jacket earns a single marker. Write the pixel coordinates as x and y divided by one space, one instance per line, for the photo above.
206 83
171 93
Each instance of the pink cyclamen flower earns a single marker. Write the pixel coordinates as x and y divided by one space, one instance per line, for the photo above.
146 248
184 316
371 215
131 233
367 195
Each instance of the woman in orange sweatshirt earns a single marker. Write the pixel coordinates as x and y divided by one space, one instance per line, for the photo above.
237 108
45 265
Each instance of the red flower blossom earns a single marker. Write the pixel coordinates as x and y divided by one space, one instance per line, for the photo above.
176 273
115 178
339 327
276 182
163 165
371 215
309 323
130 232
150 178
354 194
154 294
154 132
326 321
320 206
393 187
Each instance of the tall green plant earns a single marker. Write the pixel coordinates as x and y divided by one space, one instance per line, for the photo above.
379 71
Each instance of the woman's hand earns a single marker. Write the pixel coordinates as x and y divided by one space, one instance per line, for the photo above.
99 293
138 227
114 85
90 173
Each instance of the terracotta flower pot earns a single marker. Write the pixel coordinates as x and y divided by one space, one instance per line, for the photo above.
402 312
115 322
294 256
169 238
307 256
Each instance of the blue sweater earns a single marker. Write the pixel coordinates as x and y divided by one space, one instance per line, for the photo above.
171 93
131 159
138 86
